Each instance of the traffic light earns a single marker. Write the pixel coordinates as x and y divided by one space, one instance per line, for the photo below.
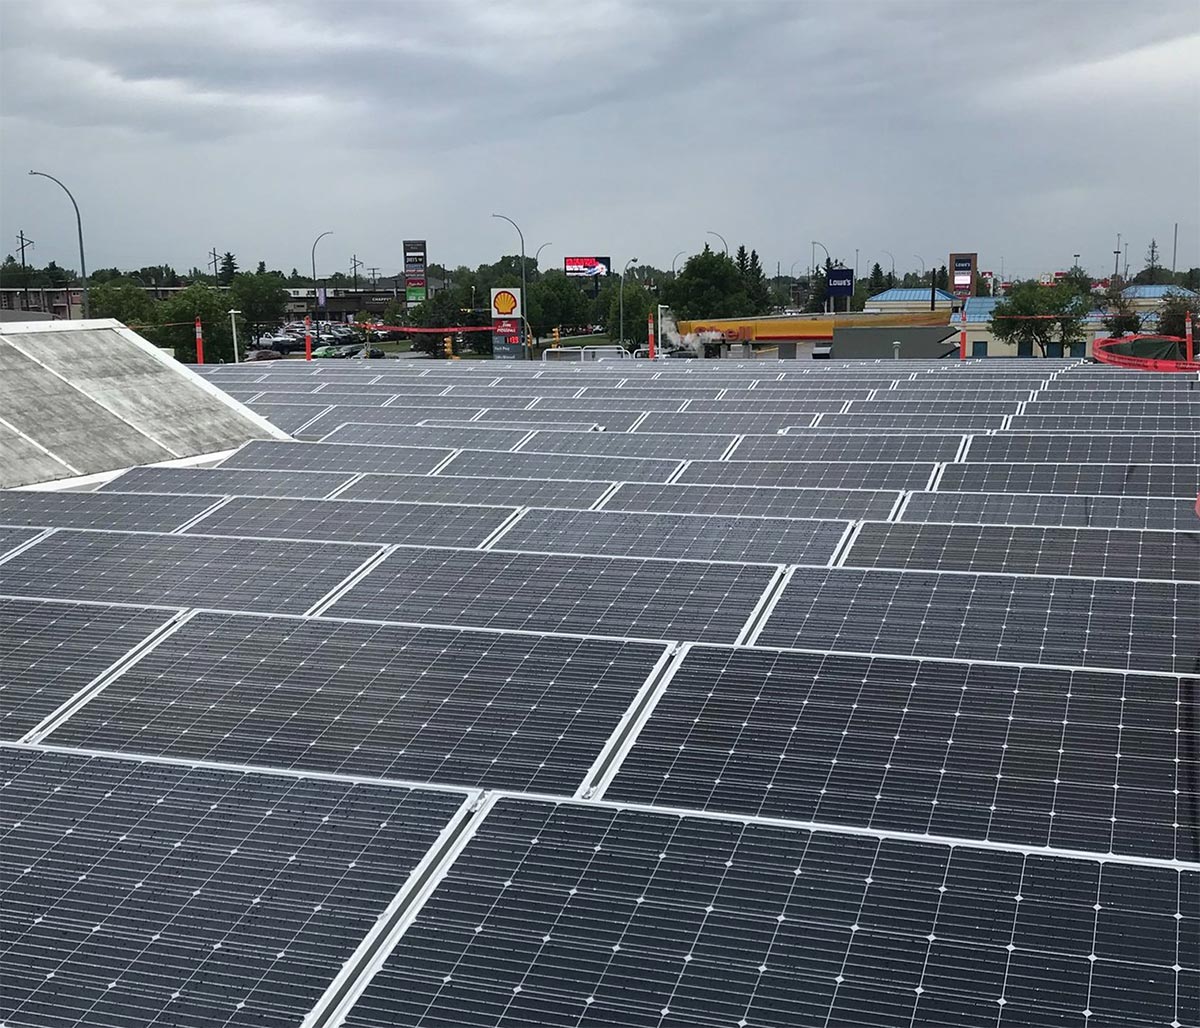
556 335
448 345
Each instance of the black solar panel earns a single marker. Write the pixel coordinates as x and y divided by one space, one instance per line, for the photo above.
408 414
12 536
848 448
751 402
1143 406
56 509
1072 622
884 404
586 915
49 651
630 444
1035 509
225 481
748 501
977 751
558 593
420 704
613 421
933 421
736 424
288 417
629 534
338 457
237 574
468 436
138 894
561 465
1097 448
1098 423
448 489
1086 552
616 401
809 474
423 524
1166 480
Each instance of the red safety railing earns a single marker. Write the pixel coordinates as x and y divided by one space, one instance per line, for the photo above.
1102 350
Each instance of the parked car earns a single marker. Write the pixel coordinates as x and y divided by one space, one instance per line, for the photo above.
371 353
263 355
326 351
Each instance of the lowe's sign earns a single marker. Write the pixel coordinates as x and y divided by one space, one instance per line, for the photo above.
839 282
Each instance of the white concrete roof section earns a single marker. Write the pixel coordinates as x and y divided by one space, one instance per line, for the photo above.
78 398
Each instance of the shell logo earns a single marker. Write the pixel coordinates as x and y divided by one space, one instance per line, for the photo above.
504 303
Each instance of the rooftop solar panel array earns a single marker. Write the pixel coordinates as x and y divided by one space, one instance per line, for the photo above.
829 693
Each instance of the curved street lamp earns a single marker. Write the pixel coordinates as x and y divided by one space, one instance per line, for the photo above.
316 292
922 260
893 258
710 232
82 262
675 258
524 293
539 250
621 292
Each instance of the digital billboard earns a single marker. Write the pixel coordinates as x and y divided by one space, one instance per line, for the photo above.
963 270
507 325
587 267
415 288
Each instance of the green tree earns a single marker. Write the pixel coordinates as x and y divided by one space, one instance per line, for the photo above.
228 269
176 324
638 305
1039 315
1150 273
261 269
709 286
818 293
943 278
126 302
756 284
1173 311
102 275
876 282
742 260
262 298
1119 316
556 301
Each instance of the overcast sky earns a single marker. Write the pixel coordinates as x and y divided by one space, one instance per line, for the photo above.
1028 131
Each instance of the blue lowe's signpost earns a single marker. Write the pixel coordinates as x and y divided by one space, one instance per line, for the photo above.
839 281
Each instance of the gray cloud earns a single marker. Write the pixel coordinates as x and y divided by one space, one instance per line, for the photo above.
1025 130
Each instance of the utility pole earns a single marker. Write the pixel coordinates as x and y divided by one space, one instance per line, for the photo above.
1126 274
1117 260
355 264
24 241
214 262
374 273
1175 248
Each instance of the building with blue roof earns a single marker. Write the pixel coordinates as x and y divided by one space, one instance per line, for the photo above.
910 301
1155 293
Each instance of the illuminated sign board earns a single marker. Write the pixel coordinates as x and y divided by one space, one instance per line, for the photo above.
415 287
587 267
839 282
964 267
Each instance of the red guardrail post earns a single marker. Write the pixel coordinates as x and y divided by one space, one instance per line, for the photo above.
307 337
199 342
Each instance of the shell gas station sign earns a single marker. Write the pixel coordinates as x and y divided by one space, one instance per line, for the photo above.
507 336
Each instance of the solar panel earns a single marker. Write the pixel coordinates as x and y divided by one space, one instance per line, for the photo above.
560 593
288 417
748 501
419 704
1015 755
424 524
227 481
883 404
49 651
467 436
147 513
517 422
184 570
530 390
1036 509
613 421
138 894
594 406
1086 449
560 914
1090 407
929 421
847 448
1071 622
749 402
338 457
1086 552
809 473
12 536
359 396
628 534
561 465
448 489
1094 479
1086 423
730 424
601 394
629 444
409 414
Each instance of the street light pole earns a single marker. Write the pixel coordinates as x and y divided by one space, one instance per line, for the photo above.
233 325
538 251
828 260
893 259
720 237
524 294
82 262
621 300
674 259
316 291
922 260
